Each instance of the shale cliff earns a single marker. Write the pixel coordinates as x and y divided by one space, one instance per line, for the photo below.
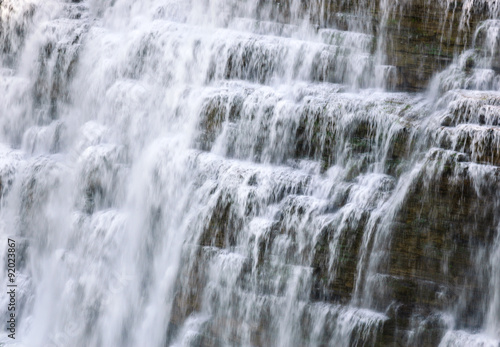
252 173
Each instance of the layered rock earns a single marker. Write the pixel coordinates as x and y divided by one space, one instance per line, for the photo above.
233 160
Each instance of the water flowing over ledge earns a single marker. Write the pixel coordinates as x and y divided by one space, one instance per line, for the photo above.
251 173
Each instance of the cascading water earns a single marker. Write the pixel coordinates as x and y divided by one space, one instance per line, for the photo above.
251 173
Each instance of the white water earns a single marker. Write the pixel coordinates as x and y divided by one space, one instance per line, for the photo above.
186 173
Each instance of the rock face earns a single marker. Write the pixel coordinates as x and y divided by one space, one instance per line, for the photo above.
416 38
254 173
409 244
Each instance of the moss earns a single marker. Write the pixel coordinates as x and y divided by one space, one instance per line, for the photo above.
360 145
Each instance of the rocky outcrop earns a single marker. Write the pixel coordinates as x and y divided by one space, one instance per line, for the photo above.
422 256
417 37
243 163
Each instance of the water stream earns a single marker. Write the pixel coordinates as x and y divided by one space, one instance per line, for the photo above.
251 173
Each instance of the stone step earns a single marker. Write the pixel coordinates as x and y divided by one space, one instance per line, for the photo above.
458 338
360 41
457 76
475 107
314 121
480 142
229 305
334 37
263 27
263 59
297 231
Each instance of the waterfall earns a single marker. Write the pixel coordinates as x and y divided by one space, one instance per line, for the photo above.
250 173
